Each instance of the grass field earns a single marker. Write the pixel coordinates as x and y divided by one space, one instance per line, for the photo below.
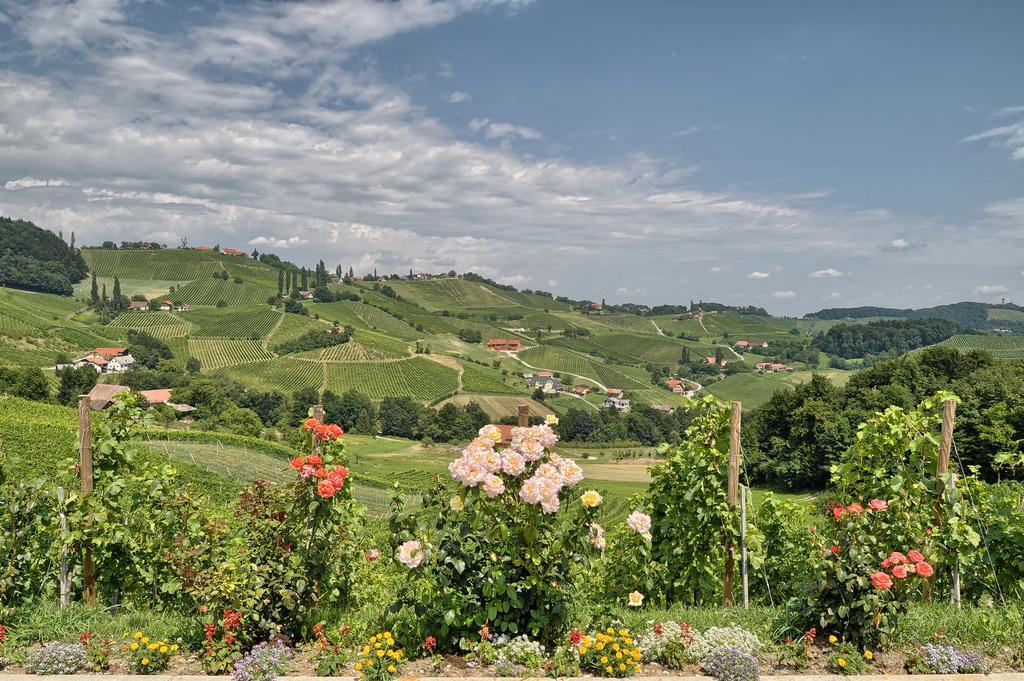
478 379
452 294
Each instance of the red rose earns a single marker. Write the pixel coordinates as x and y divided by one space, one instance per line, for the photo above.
372 555
837 512
899 572
834 549
575 637
878 505
325 489
322 473
855 508
314 460
337 478
880 580
924 569
296 463
886 564
915 556
310 423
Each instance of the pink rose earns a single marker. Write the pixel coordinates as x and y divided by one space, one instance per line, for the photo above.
924 569
915 556
880 580
878 505
899 572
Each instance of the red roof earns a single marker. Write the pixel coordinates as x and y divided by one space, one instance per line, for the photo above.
204 248
544 374
233 251
110 352
158 396
613 391
743 344
506 433
503 341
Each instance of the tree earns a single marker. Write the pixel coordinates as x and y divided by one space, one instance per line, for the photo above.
280 282
538 394
117 302
352 410
400 416
193 365
147 349
31 384
301 402
239 421
94 294
75 382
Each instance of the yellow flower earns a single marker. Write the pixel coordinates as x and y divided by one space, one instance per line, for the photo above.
380 653
378 644
145 639
152 646
359 666
145 661
583 650
604 660
608 670
618 656
163 649
622 667
174 648
391 668
610 630
636 599
373 639
134 646
615 647
841 661
366 650
138 634
600 645
868 655
832 638
398 654
623 632
551 420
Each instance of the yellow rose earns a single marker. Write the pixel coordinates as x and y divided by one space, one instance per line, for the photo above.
134 646
378 644
373 639
618 656
163 649
380 653
868 655
583 650
608 670
636 599
456 503
615 646
152 646
551 420
604 660
600 645
622 667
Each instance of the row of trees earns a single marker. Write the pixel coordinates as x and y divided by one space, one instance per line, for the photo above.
793 438
894 336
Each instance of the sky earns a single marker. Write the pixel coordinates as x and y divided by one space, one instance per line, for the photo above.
793 155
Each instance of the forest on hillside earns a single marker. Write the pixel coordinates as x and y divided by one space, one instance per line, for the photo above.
35 259
894 336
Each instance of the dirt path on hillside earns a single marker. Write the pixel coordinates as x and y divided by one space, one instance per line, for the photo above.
585 378
658 328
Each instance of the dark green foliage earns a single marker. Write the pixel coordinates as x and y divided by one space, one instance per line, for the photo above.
36 259
147 349
641 424
315 339
885 337
400 416
28 382
470 336
75 382
352 410
295 307
302 401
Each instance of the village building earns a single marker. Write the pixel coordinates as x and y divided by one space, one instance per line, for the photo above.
120 364
103 395
581 389
613 393
306 295
617 404
138 305
234 251
549 384
772 367
504 345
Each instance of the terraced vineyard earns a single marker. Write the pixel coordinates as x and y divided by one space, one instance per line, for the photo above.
353 351
656 349
451 294
284 374
418 378
1001 347
291 327
556 359
158 324
239 322
382 321
215 353
478 379
208 292
171 264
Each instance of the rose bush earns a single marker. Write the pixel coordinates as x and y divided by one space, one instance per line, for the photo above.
501 547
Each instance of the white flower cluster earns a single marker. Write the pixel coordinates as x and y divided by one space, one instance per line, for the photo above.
652 642
722 637
520 650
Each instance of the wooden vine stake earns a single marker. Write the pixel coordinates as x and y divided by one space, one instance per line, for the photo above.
943 494
65 573
524 415
85 473
734 485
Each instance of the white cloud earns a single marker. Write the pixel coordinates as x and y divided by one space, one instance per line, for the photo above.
31 183
275 242
1006 136
493 130
988 289
784 295
623 291
458 96
1008 111
685 132
758 275
835 295
827 273
716 269
901 244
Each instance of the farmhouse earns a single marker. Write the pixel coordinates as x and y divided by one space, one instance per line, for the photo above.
120 364
548 384
204 248
234 251
772 367
581 390
617 404
138 306
504 344
749 345
306 295
613 393
103 395
163 396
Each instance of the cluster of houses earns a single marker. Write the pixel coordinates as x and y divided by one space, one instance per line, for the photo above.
104 394
742 345
677 387
504 345
225 251
103 360
164 306
772 367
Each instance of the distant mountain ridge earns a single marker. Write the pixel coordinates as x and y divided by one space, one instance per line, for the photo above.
974 316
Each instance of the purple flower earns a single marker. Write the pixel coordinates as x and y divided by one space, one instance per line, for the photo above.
732 664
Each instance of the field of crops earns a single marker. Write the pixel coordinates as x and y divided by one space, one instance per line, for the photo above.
353 351
656 349
451 294
157 324
284 374
751 389
418 378
215 353
1004 313
501 406
557 359
380 320
171 264
616 378
237 322
478 379
210 291
23 313
626 322
1001 347
291 327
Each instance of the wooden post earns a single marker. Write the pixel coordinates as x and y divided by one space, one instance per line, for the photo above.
524 415
743 547
941 473
318 412
65 582
85 473
733 494
955 596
